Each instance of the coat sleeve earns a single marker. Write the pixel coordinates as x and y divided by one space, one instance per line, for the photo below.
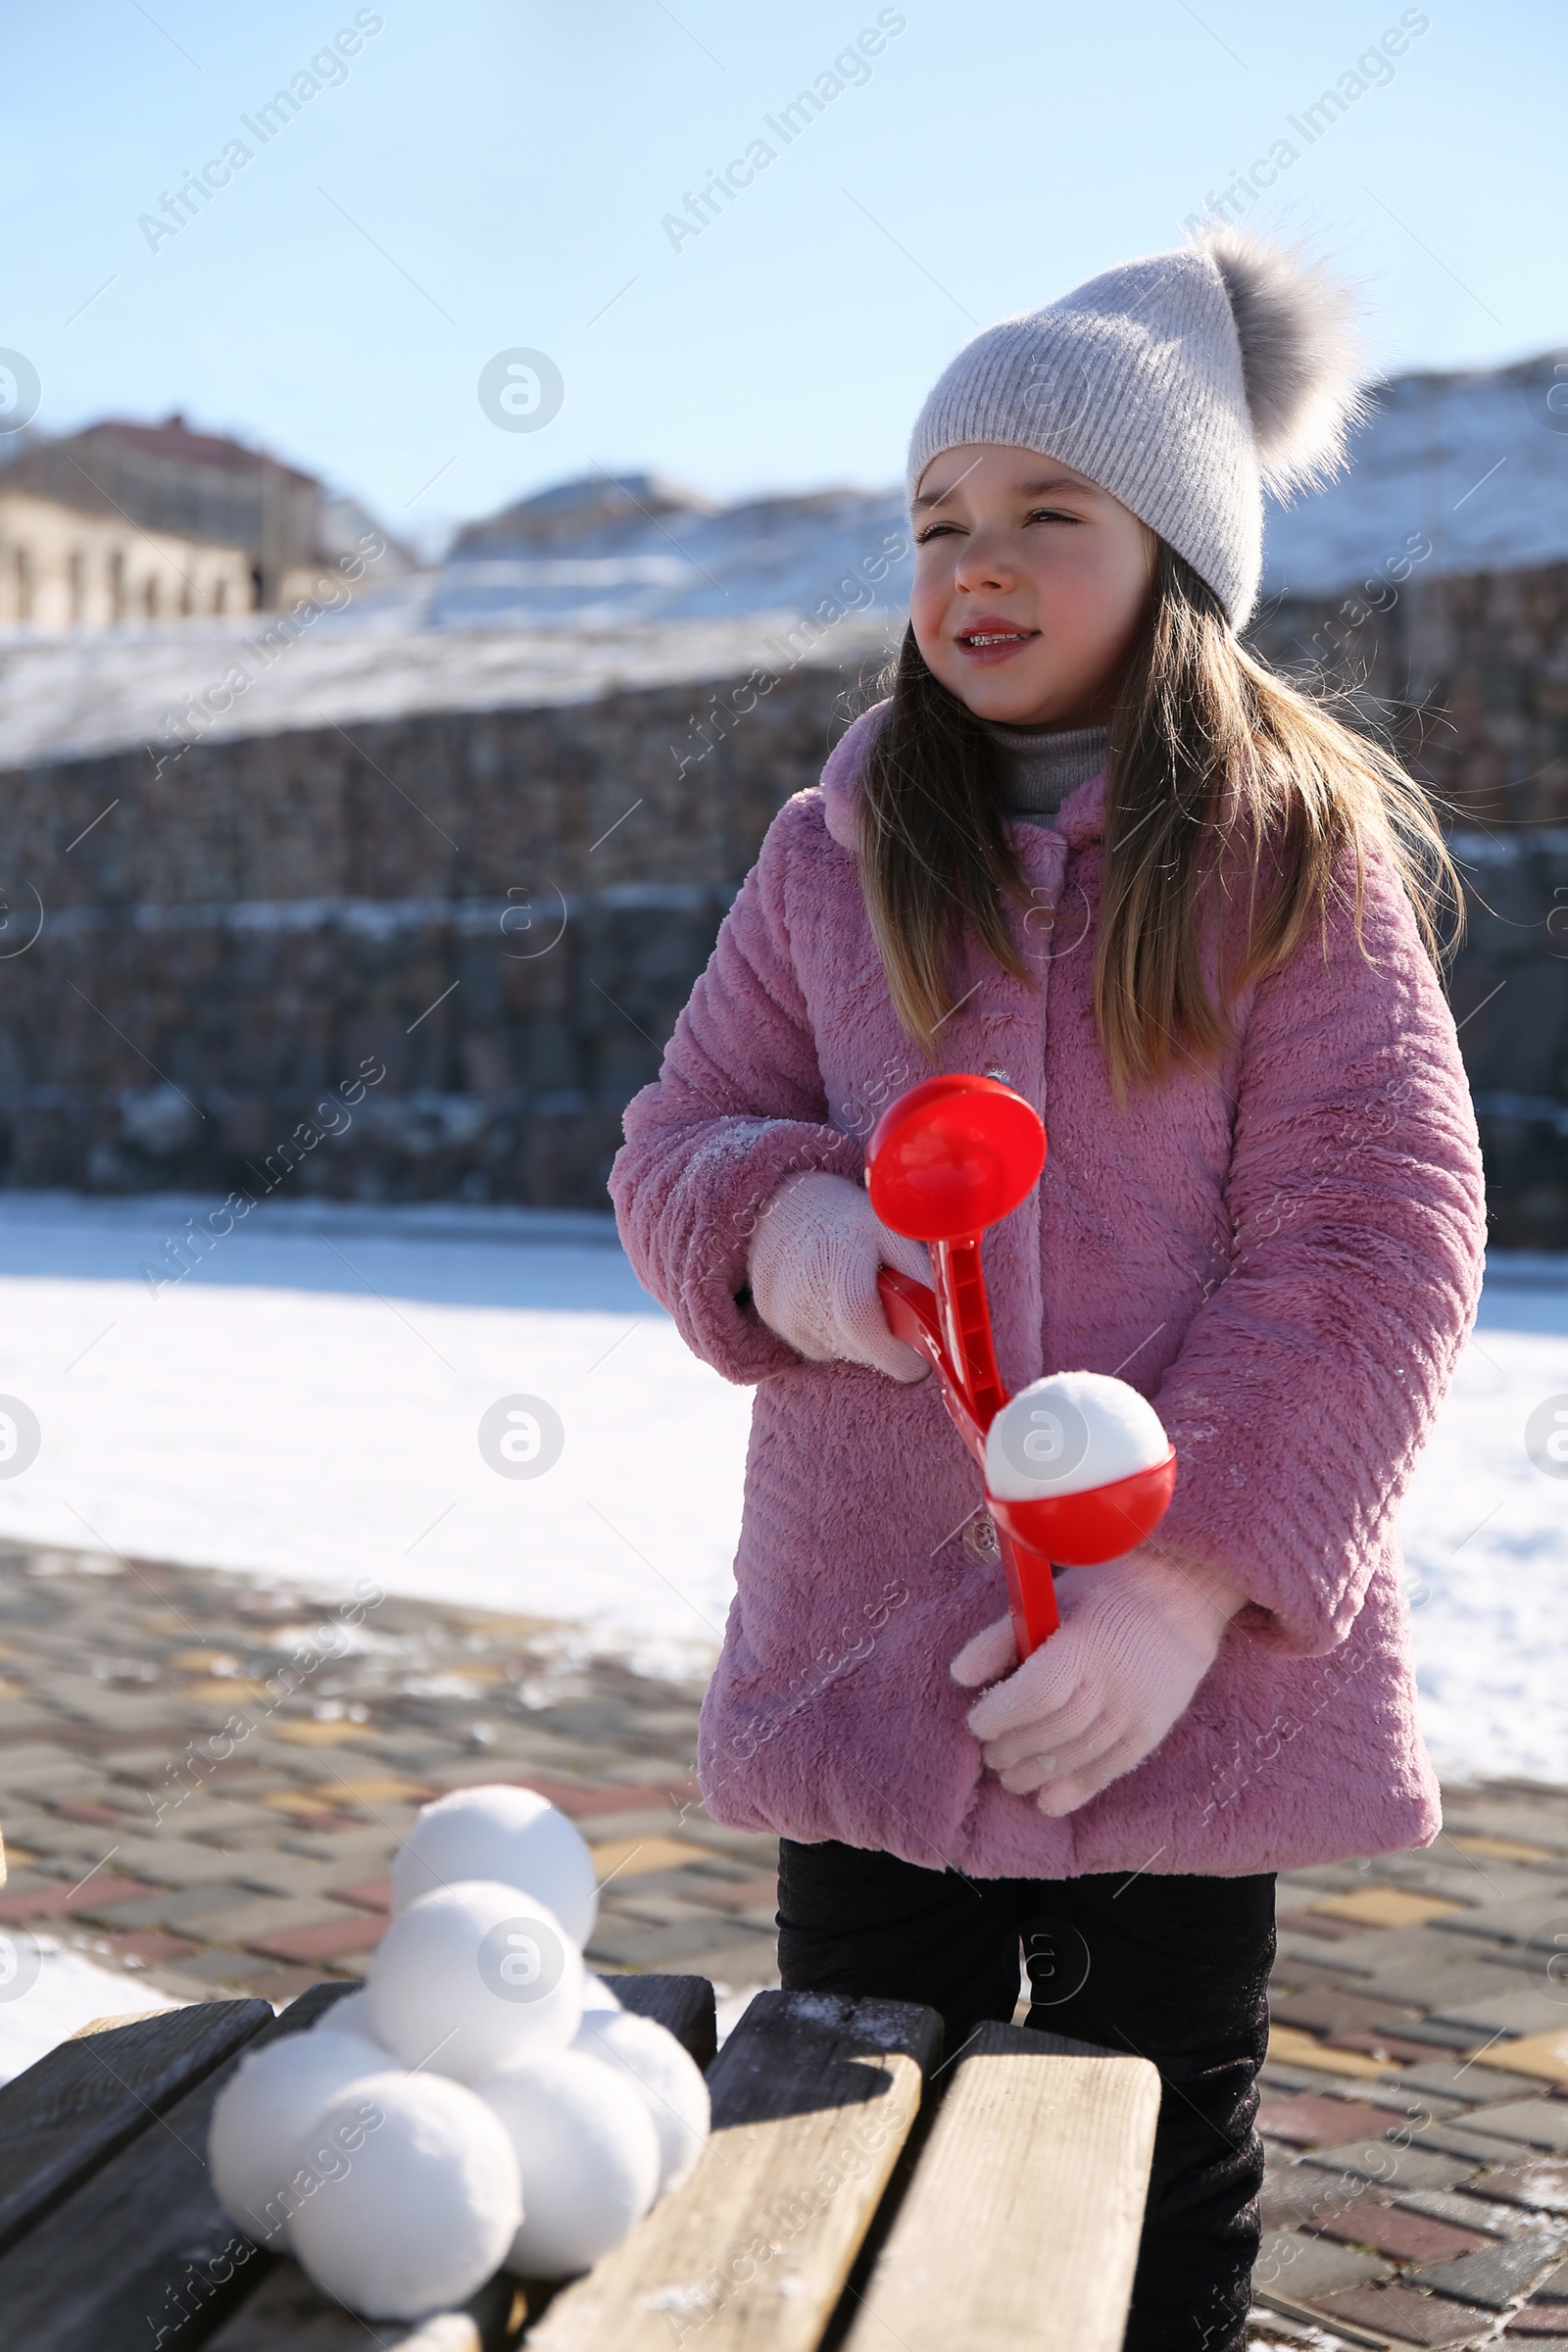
738 1105
1308 1383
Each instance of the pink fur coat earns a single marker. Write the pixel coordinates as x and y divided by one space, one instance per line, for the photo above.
1285 1256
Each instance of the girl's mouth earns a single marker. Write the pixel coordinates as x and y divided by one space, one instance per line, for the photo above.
998 643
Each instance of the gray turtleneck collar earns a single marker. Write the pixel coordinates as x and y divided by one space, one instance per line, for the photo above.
1042 765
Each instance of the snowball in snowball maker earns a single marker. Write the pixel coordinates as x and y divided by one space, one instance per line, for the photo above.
667 2078
588 2154
427 2205
508 1834
265 2114
472 1975
351 2015
1072 1432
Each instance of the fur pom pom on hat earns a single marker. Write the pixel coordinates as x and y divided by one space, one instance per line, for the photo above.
1185 384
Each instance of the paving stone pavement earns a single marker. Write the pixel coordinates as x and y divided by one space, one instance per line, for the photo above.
203 1780
1415 2101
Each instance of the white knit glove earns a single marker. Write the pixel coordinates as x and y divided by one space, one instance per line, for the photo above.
1137 1637
812 1268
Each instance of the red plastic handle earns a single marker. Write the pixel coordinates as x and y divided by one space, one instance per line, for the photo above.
916 1317
949 1157
1031 1591
956 1153
966 1313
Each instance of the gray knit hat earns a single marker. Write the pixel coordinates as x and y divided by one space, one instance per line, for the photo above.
1185 384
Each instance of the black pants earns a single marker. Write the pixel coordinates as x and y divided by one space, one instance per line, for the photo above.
1175 1969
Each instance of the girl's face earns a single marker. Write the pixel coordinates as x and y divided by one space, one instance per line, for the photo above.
1029 585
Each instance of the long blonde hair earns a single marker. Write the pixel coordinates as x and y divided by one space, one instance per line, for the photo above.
1219 773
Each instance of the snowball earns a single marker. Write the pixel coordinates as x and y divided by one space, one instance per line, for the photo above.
512 1834
669 2078
426 2202
351 2015
588 2154
597 1994
472 1976
263 2116
1072 1432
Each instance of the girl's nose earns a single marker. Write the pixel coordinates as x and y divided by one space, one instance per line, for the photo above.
983 568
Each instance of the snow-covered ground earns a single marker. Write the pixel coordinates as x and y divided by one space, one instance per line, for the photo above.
307 1404
1486 1535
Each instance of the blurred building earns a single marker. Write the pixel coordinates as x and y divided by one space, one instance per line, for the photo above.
81 565
125 521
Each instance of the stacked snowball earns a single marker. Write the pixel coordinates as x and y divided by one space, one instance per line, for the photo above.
482 2103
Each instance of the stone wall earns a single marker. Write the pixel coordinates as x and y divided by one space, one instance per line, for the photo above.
1468 677
485 924
503 912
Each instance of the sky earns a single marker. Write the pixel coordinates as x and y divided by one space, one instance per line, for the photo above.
480 178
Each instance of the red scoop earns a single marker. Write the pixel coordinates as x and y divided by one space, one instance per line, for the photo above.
955 1155
952 1156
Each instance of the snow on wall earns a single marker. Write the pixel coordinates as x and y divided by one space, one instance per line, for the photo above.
1475 463
779 554
66 697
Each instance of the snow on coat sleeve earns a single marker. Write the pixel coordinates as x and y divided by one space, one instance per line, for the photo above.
738 1105
1308 1383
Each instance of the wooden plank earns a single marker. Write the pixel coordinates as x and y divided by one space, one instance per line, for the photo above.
685 2004
1020 2229
68 2114
139 2254
813 2097
287 2314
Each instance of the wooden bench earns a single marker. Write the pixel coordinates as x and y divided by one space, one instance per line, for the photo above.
858 2193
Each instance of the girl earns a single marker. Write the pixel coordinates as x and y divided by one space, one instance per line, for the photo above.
1091 846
